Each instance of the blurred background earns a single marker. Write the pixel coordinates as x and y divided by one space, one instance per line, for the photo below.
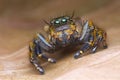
21 19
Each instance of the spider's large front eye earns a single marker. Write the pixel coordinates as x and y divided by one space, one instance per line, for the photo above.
57 22
64 20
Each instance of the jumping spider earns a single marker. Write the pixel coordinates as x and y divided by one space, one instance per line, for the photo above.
63 32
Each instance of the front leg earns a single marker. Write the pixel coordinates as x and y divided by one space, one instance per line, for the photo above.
85 47
87 37
42 44
34 59
36 47
92 37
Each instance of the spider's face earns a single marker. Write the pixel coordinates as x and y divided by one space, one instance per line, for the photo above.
62 29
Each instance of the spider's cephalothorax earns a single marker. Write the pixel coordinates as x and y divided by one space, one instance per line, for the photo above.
63 32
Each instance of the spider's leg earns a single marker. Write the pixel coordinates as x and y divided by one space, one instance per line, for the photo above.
101 38
87 36
34 60
88 44
42 44
104 43
82 50
35 48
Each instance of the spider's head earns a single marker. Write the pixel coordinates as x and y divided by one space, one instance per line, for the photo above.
59 23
